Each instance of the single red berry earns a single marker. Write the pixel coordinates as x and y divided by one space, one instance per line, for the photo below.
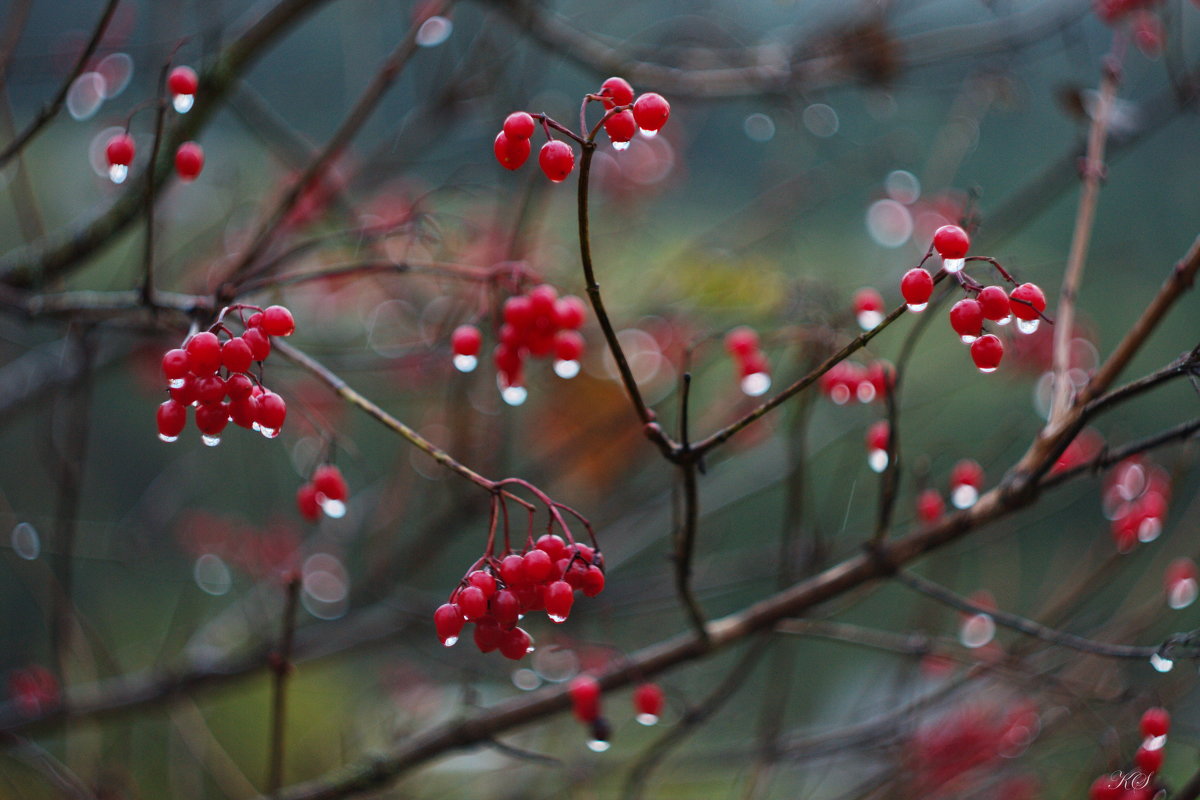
512 571
570 312
278 321
585 698
183 80
472 602
986 352
119 150
236 355
466 340
951 241
175 364
518 311
306 502
543 302
272 411
917 287
967 473
620 128
244 412
648 702
552 544
254 320
515 644
966 317
537 566
592 582
189 161
488 634
260 345
558 597
1027 301
328 481
1107 787
741 342
1149 761
238 387
484 581
505 606
204 353
511 152
172 419
557 159
210 389
617 92
518 125
651 111
868 308
994 302
878 435
448 621
211 418
1156 722
568 346
530 597
930 506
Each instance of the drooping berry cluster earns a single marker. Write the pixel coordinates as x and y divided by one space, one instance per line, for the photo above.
982 303
1141 783
754 371
850 380
585 691
1136 495
537 324
326 492
213 376
182 83
623 117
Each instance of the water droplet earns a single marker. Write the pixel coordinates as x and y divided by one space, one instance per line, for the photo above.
269 433
514 395
869 320
176 383
1182 593
26 543
434 31
212 575
566 369
117 173
964 496
953 265
902 186
450 641
334 509
648 134
1154 743
1149 529
889 223
840 394
465 363
556 618
1160 663
529 649
968 339
254 426
877 460
182 103
211 441
1028 325
759 127
865 392
162 437
977 630
987 370
821 120
598 745
1004 321
756 384
917 308
620 145
647 719
526 679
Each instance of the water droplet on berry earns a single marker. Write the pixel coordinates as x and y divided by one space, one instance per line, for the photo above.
1149 529
987 370
566 369
598 745
269 433
968 339
977 630
1160 663
117 173
514 395
869 320
648 135
1027 325
620 145
1004 321
964 496
334 509
465 363
840 394
165 438
1182 593
877 460
917 308
450 641
177 383
953 265
865 392
28 545
756 384
647 719
211 441
182 103
434 31
556 618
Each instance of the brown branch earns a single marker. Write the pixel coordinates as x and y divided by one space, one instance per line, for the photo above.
281 669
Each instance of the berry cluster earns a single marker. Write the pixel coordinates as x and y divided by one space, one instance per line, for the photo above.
325 492
1026 302
623 117
214 377
648 703
189 157
849 380
538 324
967 750
1148 760
1136 495
754 371
497 592
966 481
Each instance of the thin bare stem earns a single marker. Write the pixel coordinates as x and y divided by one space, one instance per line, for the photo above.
148 251
281 668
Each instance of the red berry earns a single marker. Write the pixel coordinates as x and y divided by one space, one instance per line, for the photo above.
472 602
585 698
260 345
1156 722
966 317
651 111
515 644
448 621
484 581
930 506
917 287
592 582
1149 761
189 161
211 418
238 387
1148 34
648 702
210 389
175 364
254 320
558 596
518 125
186 393
617 92
204 353
568 346
244 412
994 302
543 302
951 241
868 308
557 159
172 419
878 435
120 150
278 321
272 411
1027 301
620 127
986 352
466 340
741 342
505 607
512 571
569 312
328 481
1107 787
967 473
510 152
537 566
518 311
488 634
183 80
306 502
236 355
553 546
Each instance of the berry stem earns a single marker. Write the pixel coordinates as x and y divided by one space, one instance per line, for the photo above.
281 667
1003 272
148 244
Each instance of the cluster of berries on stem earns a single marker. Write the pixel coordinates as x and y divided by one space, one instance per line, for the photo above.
182 83
1141 783
753 370
326 492
585 693
213 375
1136 495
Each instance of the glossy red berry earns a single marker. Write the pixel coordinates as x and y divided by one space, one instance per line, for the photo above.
930 506
1149 761
204 353
917 287
505 607
189 161
617 92
986 352
868 308
472 602
466 340
211 418
448 620
278 321
741 342
260 345
1027 301
537 566
558 597
488 634
236 355
951 241
1155 722
592 582
995 305
244 412
512 570
175 364
648 702
515 644
568 346
210 389
556 159
172 419
484 581
120 150
966 317
272 411
183 80
878 435
519 125
621 127
570 312
511 152
651 111
306 502
328 481
585 698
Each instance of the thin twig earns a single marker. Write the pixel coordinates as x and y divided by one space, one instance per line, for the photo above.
281 669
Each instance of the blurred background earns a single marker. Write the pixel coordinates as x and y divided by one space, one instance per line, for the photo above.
812 149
